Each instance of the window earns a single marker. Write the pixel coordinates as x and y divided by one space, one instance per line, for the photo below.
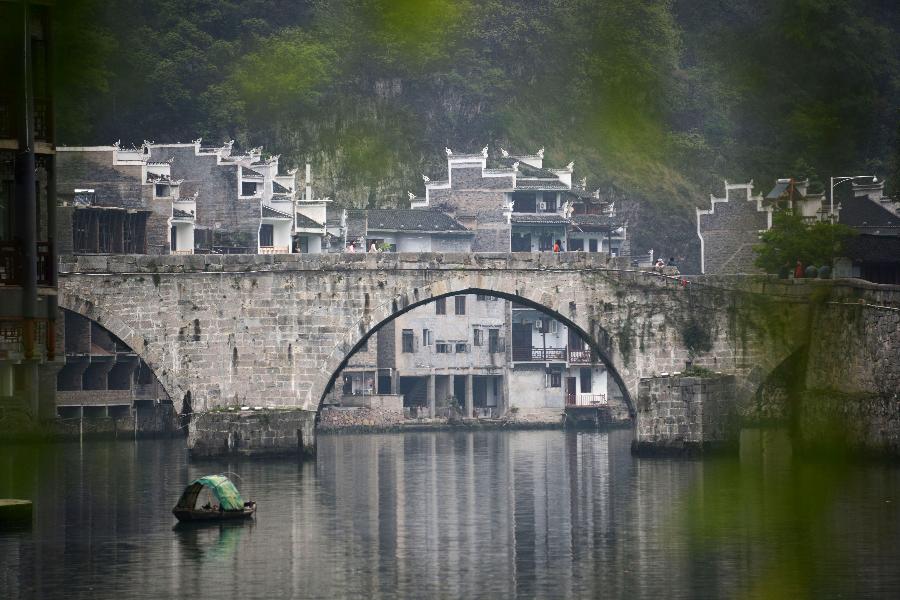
248 188
576 245
462 347
524 202
555 379
494 345
440 306
266 236
480 298
443 347
592 245
460 305
545 243
478 337
408 342
585 375
162 191
426 337
550 202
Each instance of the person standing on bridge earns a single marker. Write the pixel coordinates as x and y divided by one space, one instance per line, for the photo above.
557 246
798 270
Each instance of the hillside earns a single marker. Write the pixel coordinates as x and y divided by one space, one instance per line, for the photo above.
656 102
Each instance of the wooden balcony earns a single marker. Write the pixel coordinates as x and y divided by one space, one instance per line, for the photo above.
12 264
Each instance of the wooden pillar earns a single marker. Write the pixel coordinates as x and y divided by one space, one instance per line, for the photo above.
470 400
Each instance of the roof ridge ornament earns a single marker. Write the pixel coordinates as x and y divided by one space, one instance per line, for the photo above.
448 151
425 178
571 165
484 151
540 152
516 166
504 152
411 195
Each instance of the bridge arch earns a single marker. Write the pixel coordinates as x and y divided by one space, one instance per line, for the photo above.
375 317
147 353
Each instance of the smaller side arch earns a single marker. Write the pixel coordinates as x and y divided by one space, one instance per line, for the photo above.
127 335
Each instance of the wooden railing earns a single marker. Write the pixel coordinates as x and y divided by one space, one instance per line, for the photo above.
45 263
42 119
10 264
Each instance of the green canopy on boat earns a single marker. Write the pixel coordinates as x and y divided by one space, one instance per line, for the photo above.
228 496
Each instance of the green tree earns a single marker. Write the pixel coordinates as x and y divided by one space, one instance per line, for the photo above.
791 239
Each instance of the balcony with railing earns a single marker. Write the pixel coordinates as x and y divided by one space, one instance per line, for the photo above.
583 356
586 399
274 250
538 354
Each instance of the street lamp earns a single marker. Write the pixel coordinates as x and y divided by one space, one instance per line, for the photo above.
836 181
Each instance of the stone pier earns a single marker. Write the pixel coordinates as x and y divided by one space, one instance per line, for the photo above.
679 415
252 433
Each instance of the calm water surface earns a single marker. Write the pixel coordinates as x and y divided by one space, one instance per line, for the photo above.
473 514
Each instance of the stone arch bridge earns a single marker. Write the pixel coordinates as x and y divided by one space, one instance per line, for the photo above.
274 331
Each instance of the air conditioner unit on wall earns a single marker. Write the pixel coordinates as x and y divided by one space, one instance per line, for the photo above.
538 325
543 205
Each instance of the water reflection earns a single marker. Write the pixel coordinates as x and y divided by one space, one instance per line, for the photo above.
475 514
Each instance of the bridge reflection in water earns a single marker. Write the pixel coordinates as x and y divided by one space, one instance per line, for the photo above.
483 514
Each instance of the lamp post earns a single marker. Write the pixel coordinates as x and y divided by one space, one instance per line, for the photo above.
836 181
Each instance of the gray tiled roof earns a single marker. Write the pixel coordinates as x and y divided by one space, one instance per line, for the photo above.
858 212
873 248
592 221
274 214
245 172
540 184
408 219
540 218
181 214
277 188
305 222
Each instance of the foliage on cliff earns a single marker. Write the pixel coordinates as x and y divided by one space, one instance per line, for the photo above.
656 100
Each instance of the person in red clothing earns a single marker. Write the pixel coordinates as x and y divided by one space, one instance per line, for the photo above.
798 270
557 247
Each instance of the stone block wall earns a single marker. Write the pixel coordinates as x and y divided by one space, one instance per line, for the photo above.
685 415
233 221
360 418
252 433
730 231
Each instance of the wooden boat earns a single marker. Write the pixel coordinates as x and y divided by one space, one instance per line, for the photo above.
229 504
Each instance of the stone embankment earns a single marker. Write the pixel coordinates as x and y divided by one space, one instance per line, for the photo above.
362 419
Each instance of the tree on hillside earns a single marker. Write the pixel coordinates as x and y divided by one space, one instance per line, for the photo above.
791 239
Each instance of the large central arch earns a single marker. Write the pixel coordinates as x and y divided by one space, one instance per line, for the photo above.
599 347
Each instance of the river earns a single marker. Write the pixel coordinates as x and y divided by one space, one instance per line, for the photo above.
455 514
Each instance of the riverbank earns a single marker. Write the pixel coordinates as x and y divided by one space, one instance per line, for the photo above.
372 420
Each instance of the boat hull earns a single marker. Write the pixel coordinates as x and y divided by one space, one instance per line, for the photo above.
185 515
